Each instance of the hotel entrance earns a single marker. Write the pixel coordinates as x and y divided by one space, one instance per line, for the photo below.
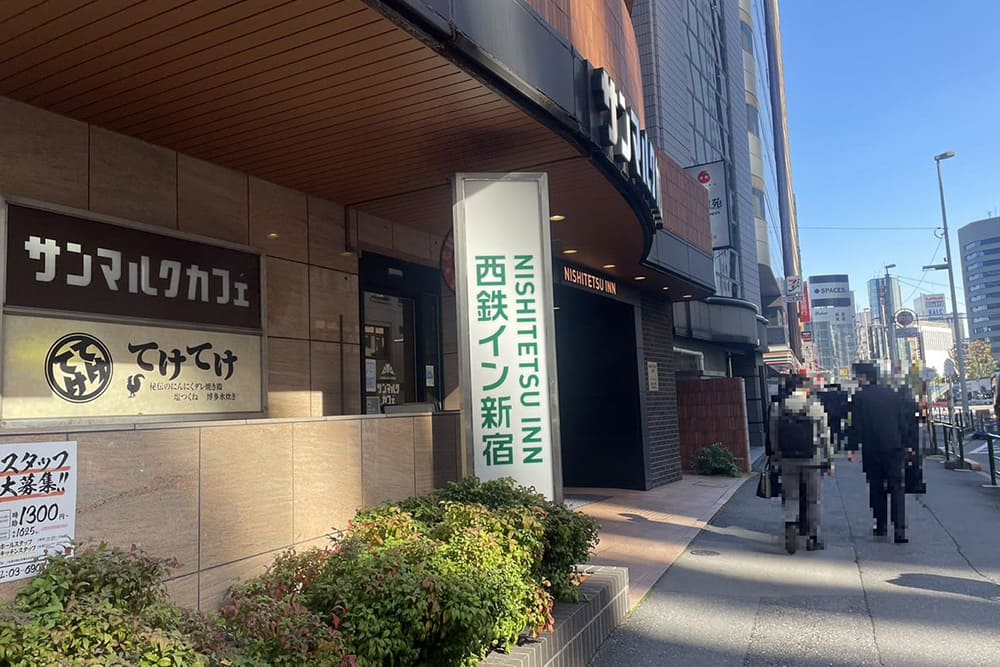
599 408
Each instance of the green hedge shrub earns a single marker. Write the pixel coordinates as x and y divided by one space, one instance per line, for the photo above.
569 536
438 580
716 460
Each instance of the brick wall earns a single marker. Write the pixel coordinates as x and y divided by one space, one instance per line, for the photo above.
663 463
713 410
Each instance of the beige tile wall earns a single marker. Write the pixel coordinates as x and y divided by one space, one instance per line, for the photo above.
224 499
312 265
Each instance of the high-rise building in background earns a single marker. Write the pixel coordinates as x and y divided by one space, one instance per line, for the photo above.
884 300
833 324
931 308
979 244
934 343
867 341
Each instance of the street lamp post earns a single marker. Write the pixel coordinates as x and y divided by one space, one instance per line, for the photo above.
959 346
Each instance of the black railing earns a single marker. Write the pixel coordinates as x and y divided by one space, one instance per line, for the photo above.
991 453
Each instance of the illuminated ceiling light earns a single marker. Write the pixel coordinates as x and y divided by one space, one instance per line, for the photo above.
640 277
557 218
571 251
272 236
665 289
556 308
608 266
687 296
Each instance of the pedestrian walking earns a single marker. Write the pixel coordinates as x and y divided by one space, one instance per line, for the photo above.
834 400
996 400
880 427
801 446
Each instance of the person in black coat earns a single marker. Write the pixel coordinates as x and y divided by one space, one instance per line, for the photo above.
834 400
878 423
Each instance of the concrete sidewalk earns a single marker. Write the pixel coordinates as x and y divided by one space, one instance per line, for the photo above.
646 531
736 598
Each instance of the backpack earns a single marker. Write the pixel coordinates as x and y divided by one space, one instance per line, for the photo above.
795 435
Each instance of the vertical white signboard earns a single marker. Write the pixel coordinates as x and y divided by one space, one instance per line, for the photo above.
37 505
506 328
712 177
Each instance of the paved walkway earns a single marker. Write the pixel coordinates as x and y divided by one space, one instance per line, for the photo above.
646 531
734 597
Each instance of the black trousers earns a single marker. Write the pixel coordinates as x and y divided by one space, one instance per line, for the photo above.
885 482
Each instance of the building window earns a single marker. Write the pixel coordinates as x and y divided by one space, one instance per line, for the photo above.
978 244
979 309
759 204
727 273
753 120
747 32
979 297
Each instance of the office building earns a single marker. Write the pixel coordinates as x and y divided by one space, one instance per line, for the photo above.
242 213
708 107
931 308
885 300
833 323
979 244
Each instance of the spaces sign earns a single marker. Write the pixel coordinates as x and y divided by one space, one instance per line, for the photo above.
37 505
110 321
74 368
506 325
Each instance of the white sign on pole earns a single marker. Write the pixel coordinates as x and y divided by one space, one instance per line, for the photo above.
37 505
712 177
793 288
504 288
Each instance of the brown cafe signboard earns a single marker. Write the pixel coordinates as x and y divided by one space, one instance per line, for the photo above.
108 322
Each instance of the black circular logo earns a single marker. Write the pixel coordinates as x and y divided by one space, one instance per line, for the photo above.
78 368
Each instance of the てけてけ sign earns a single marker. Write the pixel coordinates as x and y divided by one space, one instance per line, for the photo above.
72 369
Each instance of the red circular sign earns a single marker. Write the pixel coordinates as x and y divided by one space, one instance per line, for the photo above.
704 178
447 261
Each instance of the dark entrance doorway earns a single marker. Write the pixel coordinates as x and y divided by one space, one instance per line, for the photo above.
599 411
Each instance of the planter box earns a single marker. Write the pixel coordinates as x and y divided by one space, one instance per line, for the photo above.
580 628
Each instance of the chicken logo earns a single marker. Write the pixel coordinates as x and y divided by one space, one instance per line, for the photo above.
134 384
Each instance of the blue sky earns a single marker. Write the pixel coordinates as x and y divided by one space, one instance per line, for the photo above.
874 91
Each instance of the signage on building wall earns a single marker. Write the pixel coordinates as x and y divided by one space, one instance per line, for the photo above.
65 263
58 368
934 306
581 278
504 287
653 375
712 177
805 313
103 320
615 127
830 290
446 261
37 505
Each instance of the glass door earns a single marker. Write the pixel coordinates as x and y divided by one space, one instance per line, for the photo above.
390 351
